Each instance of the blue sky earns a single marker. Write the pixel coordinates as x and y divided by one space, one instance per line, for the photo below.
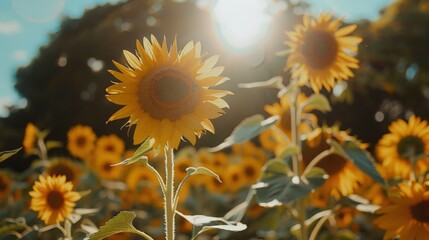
25 25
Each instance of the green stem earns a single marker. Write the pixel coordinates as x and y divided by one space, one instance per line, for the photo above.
297 159
318 226
142 234
169 194
161 182
316 160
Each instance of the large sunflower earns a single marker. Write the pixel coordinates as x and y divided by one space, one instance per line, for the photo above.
321 51
166 94
407 216
344 177
405 141
81 141
53 198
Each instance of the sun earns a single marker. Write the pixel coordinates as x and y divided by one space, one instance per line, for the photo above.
321 53
166 93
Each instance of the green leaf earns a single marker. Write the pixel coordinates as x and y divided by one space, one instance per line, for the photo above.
190 171
120 223
276 166
289 151
138 156
84 193
359 157
246 130
316 102
277 188
7 154
275 82
143 160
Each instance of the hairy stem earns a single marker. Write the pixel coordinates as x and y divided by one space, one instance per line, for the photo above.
169 194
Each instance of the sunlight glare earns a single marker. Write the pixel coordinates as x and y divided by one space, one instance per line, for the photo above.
241 23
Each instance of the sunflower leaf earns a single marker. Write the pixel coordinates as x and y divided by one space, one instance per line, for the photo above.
276 188
316 102
190 171
53 144
120 223
7 154
275 82
359 157
143 160
247 129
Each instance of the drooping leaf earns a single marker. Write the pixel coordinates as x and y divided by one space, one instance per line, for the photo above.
138 156
316 102
123 222
359 157
190 171
7 154
277 188
246 130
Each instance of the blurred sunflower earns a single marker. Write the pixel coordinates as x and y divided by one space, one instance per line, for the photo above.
251 169
30 137
345 216
53 198
103 166
180 166
218 162
407 216
234 178
143 186
110 144
405 141
344 177
212 184
66 167
81 141
166 93
5 185
249 150
321 52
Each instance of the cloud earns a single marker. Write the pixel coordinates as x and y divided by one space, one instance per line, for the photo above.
9 27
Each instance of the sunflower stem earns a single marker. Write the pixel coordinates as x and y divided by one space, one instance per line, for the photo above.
169 194
297 159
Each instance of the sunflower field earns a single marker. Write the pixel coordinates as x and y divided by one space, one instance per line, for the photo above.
222 119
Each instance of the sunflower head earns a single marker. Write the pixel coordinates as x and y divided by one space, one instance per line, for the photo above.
103 166
321 51
5 185
65 167
166 93
81 141
402 145
110 144
407 214
30 137
53 198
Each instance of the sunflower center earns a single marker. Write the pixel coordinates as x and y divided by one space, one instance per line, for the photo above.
107 167
168 93
109 148
320 49
61 169
332 164
420 211
249 171
183 166
3 185
55 199
81 141
410 146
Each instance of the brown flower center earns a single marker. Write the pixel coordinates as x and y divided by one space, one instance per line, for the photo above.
81 141
61 169
109 148
410 146
249 171
320 49
183 166
55 199
107 167
168 93
3 185
332 164
420 211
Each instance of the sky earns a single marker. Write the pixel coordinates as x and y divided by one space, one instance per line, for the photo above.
25 26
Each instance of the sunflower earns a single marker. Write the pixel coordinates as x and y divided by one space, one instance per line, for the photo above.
344 177
81 141
181 164
66 167
143 186
166 94
405 141
103 166
110 144
407 216
53 198
30 137
234 178
345 216
321 52
251 169
5 185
